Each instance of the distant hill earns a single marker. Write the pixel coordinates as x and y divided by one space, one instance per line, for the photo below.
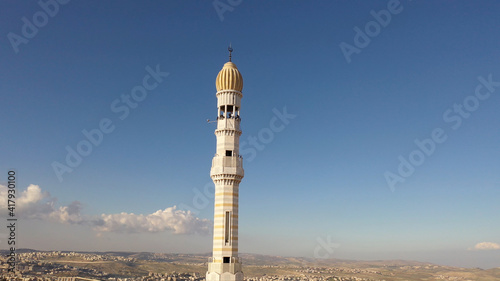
255 265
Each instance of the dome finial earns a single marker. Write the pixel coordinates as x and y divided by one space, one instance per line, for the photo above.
230 49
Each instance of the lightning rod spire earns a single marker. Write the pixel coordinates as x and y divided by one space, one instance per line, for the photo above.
230 49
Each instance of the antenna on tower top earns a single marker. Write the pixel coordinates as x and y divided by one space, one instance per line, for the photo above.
230 49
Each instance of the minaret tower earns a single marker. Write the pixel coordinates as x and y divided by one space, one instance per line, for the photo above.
227 172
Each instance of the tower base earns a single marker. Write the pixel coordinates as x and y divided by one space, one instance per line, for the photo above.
224 272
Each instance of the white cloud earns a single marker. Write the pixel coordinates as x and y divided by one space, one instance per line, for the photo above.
33 203
487 246
31 195
30 203
68 214
177 221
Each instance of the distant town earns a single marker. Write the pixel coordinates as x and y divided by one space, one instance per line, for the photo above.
115 266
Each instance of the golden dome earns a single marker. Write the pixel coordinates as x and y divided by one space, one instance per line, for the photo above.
229 78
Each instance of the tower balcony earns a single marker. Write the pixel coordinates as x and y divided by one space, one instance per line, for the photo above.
227 165
232 265
232 260
228 123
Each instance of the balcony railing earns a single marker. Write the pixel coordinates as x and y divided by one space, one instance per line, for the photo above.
228 161
232 260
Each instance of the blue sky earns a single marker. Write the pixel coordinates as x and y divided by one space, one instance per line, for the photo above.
322 177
